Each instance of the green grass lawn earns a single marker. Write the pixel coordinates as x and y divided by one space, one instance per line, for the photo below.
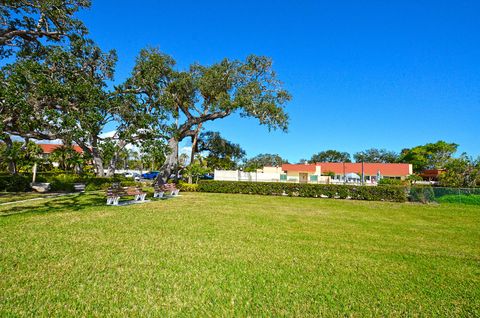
238 255
19 196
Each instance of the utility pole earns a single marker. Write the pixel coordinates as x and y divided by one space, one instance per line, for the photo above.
363 175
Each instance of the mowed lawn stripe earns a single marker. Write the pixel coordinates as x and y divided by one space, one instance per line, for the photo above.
220 254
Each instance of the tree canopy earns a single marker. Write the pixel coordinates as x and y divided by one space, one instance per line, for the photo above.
264 160
429 156
221 153
24 23
330 156
376 155
190 98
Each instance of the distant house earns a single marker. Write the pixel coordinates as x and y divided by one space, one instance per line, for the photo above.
432 174
340 171
47 150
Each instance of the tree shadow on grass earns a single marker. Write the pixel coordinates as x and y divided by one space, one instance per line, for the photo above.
69 203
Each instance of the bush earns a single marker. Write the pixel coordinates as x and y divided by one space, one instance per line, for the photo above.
378 193
187 187
387 181
14 183
63 182
423 194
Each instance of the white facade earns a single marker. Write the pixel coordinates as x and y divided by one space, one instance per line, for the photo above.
268 174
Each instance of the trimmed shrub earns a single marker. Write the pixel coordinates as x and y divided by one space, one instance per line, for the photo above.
187 187
15 183
63 182
387 181
370 193
423 194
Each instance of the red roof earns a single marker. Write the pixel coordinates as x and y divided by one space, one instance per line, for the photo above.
49 148
432 173
371 169
299 167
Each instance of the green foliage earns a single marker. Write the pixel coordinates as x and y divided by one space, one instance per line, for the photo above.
195 171
153 153
14 183
328 173
389 181
67 158
423 194
187 187
376 155
378 193
429 156
63 182
20 156
26 22
330 156
222 154
461 172
263 160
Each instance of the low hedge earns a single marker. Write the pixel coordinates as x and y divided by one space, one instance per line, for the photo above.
60 182
15 183
187 187
370 193
422 194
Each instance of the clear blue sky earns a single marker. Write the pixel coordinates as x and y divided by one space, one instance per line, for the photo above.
371 74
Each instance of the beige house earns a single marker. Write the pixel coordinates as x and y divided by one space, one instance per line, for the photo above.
302 173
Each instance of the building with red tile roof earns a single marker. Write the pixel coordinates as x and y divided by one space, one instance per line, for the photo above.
339 171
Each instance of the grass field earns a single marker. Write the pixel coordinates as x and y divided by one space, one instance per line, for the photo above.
19 196
238 255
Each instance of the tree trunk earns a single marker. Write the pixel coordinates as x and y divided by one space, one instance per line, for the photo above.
194 146
116 156
98 164
12 167
95 153
171 162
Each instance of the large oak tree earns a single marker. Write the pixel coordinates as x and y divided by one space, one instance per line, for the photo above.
27 24
201 94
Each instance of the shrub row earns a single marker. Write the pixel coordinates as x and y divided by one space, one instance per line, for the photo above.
378 193
187 187
14 183
60 182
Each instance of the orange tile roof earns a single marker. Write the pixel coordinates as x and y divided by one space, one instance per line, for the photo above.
386 169
49 148
371 169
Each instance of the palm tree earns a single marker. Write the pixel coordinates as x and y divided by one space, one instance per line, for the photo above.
62 154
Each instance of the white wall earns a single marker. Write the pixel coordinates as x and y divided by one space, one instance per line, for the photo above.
235 175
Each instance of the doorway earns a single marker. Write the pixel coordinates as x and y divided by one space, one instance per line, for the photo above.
303 177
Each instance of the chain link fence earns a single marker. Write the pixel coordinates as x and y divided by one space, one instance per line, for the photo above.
426 194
